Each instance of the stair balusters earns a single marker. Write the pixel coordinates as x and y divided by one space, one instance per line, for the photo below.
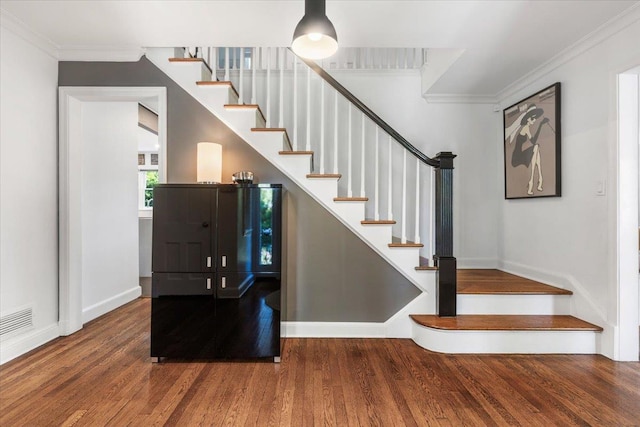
434 196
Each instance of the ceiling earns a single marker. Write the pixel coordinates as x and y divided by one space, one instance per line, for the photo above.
502 40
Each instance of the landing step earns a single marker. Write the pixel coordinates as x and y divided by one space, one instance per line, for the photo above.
505 323
496 282
512 334
190 60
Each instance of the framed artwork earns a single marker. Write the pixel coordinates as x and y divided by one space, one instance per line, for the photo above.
532 146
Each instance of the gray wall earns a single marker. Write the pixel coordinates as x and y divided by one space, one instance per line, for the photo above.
330 274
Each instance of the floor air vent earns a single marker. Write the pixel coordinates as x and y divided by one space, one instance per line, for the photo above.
17 321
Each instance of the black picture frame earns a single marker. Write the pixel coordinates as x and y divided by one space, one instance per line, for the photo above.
532 166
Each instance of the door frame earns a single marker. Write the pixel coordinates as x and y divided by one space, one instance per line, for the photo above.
626 340
70 147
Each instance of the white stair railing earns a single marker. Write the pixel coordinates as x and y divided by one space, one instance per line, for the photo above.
396 188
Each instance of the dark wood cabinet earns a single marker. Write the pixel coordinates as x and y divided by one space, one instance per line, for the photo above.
216 271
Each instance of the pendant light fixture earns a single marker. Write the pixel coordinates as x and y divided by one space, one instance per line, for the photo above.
314 36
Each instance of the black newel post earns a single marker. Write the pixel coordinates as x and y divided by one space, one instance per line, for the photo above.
443 258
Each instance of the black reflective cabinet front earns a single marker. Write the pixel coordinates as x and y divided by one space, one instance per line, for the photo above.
216 271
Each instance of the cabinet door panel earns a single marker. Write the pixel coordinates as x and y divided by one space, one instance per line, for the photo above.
250 326
235 228
183 327
182 222
267 232
171 284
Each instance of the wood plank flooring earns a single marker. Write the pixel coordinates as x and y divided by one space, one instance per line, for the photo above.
102 376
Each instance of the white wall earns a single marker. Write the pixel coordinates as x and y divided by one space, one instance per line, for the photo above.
109 206
467 130
571 240
28 190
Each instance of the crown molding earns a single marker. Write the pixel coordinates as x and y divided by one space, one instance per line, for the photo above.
19 28
600 34
100 53
451 98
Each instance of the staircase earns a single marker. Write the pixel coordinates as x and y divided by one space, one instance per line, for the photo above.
499 312
320 168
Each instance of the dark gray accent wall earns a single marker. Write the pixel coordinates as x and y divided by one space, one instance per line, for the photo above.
330 274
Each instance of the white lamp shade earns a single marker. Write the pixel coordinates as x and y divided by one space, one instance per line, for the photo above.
209 162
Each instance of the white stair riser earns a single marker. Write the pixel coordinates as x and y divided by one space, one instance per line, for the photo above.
242 118
295 164
513 304
495 342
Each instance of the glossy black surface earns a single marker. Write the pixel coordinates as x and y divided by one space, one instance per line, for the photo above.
205 327
228 306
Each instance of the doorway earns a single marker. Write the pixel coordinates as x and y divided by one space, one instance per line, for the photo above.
72 147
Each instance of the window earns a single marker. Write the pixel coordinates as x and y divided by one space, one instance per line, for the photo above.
150 181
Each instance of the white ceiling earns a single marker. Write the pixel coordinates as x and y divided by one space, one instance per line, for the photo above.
503 40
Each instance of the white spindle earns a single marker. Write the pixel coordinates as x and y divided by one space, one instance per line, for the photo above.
362 159
295 104
254 65
226 64
335 132
349 190
417 239
322 126
241 84
281 53
308 142
404 197
377 178
214 64
389 210
406 58
268 87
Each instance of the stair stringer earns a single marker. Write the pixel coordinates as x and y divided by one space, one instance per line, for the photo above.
323 190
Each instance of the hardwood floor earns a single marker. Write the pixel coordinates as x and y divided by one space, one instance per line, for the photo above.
102 375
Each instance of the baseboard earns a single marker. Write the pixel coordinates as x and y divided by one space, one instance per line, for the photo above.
19 345
397 326
333 330
103 307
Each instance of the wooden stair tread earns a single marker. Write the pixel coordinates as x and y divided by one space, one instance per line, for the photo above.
285 153
479 322
406 245
426 267
324 175
396 242
246 107
380 221
489 281
218 83
350 199
186 60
